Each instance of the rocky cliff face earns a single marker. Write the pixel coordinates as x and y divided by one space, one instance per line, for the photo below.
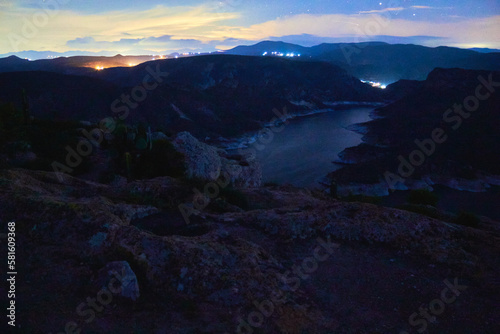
294 262
208 163
462 106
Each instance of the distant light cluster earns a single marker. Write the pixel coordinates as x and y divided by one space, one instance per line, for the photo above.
281 54
374 84
159 57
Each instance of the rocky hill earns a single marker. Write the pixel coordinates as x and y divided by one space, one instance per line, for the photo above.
206 95
291 262
445 132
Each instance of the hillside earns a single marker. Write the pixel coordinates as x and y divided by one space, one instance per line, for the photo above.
207 95
445 132
382 62
230 262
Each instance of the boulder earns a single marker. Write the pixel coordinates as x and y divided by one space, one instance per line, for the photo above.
202 160
124 283
210 163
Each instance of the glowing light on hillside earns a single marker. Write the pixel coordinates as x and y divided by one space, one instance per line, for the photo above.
99 68
374 84
281 54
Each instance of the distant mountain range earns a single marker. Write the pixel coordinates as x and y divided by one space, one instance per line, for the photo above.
372 61
382 62
227 94
82 65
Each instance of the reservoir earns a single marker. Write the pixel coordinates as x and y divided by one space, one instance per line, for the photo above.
303 152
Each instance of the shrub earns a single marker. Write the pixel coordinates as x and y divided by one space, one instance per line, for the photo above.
423 197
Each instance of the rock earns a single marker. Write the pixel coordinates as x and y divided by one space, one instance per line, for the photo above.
246 174
210 163
243 261
202 160
120 279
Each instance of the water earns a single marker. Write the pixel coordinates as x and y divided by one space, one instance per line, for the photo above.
303 152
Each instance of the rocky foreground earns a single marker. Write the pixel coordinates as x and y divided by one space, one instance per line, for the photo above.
120 258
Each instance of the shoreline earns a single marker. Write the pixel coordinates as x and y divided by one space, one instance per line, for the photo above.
246 140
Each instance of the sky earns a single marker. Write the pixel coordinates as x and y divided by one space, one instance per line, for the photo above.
136 27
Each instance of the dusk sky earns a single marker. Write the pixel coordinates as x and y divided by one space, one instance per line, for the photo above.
159 27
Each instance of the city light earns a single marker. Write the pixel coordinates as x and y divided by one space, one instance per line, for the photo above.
374 84
281 54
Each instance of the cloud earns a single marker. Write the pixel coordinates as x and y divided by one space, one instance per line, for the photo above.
64 28
469 31
200 28
396 9
81 41
429 7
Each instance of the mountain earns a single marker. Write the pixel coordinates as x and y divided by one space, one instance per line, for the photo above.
267 46
80 65
35 55
372 61
382 62
57 96
484 50
207 95
156 231
444 132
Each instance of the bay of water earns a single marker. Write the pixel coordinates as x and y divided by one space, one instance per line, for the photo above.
303 152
